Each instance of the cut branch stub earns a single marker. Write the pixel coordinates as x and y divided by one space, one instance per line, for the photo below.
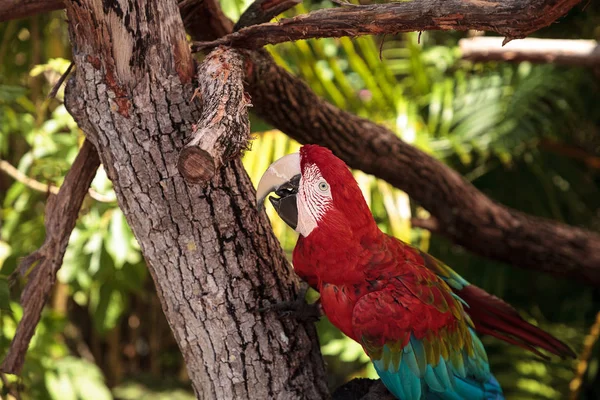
224 128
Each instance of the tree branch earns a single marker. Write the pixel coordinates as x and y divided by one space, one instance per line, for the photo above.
31 183
362 389
223 130
430 224
567 52
574 152
262 11
61 215
15 9
511 18
204 19
464 214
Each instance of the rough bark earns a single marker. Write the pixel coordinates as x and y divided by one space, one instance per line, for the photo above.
212 257
62 211
463 214
223 130
565 52
511 18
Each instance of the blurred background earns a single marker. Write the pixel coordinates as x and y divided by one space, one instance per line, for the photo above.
526 135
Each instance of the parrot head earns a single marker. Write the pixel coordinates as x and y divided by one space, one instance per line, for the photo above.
316 191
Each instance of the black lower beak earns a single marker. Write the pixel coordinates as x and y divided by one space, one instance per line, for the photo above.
287 209
285 205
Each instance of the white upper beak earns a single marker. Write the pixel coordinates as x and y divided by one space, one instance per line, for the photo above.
280 172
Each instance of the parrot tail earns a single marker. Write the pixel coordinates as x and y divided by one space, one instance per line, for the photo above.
494 317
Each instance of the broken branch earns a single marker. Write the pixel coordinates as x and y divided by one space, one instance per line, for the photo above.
61 214
566 52
223 129
511 18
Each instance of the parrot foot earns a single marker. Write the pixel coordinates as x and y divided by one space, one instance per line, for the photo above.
297 308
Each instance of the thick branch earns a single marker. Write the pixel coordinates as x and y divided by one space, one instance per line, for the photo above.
511 18
15 9
61 214
464 214
568 52
223 129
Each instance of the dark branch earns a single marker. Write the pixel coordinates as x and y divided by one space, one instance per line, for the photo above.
262 11
61 213
204 19
198 15
223 129
567 52
464 214
362 389
510 18
15 9
570 151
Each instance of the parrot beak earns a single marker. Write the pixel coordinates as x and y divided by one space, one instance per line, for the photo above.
283 178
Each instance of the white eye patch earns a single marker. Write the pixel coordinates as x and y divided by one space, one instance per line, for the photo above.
314 199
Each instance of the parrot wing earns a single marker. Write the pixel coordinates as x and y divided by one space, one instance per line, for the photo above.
422 343
495 317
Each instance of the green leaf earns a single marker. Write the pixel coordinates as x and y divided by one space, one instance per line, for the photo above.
118 238
59 386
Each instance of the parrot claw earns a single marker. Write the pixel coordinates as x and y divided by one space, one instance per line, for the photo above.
297 308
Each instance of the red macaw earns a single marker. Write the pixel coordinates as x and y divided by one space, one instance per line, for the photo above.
414 316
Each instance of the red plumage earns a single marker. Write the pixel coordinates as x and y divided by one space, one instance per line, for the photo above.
374 286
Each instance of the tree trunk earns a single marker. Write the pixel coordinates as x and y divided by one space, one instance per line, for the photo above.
213 258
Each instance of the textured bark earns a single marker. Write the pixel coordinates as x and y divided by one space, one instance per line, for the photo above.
511 18
223 130
463 214
565 52
213 258
61 214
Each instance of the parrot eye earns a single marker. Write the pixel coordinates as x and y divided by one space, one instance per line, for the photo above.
323 186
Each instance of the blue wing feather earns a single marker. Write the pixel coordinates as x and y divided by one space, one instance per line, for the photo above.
413 378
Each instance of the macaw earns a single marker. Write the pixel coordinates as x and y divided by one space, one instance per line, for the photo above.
414 316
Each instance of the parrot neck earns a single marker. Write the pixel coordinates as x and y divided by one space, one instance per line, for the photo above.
333 252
